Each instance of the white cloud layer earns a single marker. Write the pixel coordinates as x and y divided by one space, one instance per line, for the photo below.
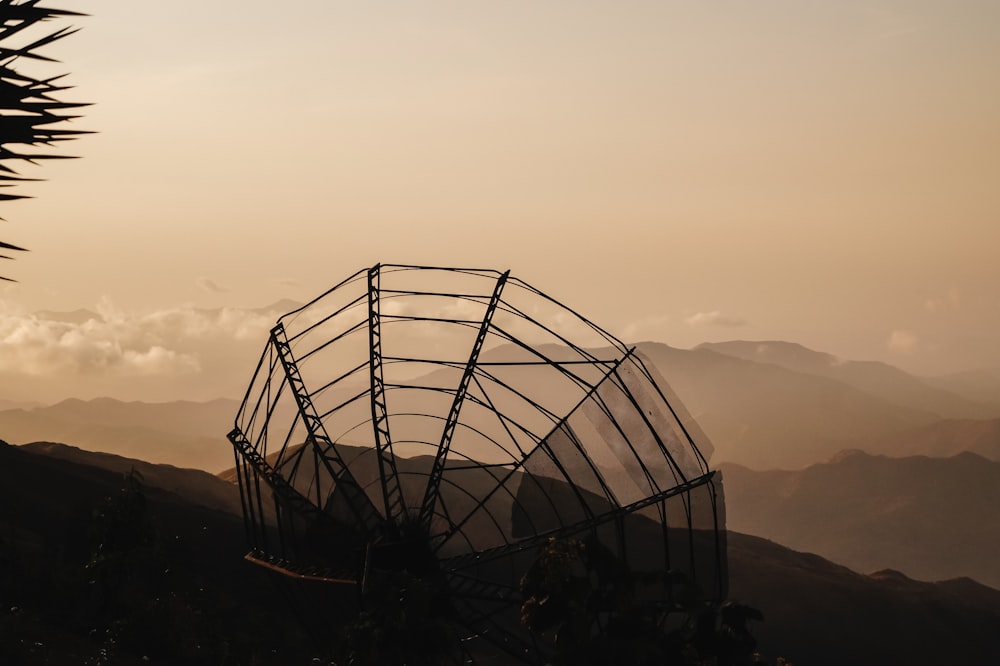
168 343
714 318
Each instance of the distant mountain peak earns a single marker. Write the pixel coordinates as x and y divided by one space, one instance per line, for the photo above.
890 575
847 454
873 377
779 352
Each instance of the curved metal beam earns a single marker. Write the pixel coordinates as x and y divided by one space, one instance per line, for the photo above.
460 562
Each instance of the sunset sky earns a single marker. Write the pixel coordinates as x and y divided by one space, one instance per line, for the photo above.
821 172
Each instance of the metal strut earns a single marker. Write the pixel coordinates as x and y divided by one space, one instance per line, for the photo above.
437 470
392 496
295 500
356 498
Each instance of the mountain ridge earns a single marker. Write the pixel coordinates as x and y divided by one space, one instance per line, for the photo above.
760 415
875 377
880 618
874 512
765 416
181 433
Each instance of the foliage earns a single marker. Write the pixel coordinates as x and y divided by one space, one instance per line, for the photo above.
582 595
106 581
133 599
28 104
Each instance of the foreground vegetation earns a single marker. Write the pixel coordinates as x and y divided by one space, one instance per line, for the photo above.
120 579
170 584
125 586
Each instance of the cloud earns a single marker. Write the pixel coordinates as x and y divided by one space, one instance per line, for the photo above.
169 342
186 325
713 318
210 286
160 361
35 346
903 342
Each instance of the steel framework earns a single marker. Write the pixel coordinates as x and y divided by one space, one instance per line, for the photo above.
448 423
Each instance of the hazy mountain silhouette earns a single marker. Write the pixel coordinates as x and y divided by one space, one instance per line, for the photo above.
760 415
932 518
757 414
210 605
16 404
765 416
816 612
194 485
979 385
879 379
942 439
823 614
181 433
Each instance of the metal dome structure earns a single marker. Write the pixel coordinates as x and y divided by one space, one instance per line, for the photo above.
449 423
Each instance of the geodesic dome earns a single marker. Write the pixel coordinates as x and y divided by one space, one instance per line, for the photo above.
449 422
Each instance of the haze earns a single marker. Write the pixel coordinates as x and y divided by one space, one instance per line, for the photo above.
824 173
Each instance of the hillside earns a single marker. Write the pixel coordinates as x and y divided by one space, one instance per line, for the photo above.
90 575
978 385
879 619
942 439
931 518
818 613
881 380
764 416
756 413
196 486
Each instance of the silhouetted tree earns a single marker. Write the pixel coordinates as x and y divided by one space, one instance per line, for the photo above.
28 106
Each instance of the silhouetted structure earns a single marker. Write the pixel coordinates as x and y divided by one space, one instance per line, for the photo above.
444 424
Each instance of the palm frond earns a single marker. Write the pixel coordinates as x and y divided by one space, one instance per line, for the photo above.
28 105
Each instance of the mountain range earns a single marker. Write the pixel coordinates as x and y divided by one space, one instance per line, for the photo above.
873 377
860 463
816 612
765 415
931 518
91 575
768 405
181 433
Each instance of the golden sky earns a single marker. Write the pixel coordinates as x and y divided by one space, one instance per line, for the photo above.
821 172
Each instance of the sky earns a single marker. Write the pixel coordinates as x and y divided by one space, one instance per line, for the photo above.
825 173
